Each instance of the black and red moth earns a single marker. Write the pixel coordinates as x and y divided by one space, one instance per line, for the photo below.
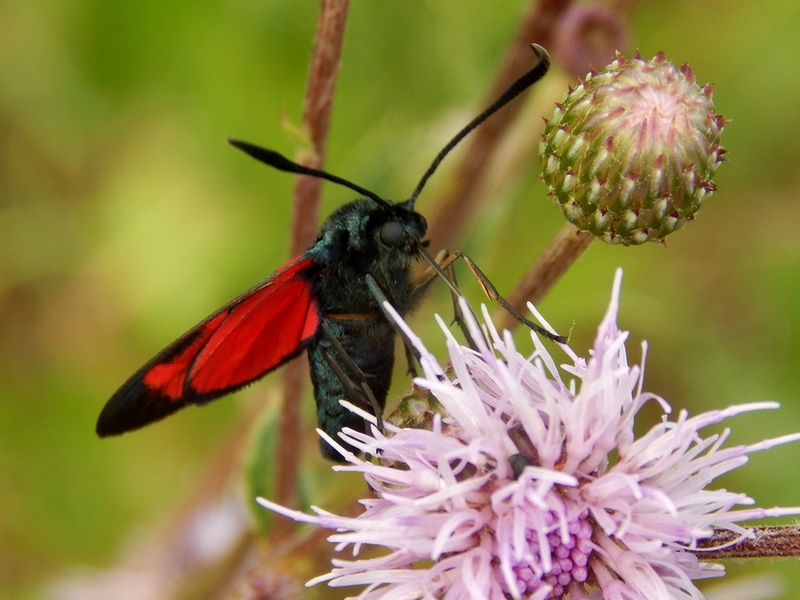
320 302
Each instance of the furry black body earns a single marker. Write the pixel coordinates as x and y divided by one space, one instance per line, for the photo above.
358 239
326 301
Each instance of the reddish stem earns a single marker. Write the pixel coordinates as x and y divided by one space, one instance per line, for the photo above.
778 541
458 205
316 118
556 259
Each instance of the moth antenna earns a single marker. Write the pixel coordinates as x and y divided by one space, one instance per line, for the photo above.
514 90
280 162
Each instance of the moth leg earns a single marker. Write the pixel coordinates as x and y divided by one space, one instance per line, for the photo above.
443 268
410 350
491 292
353 379
486 285
410 360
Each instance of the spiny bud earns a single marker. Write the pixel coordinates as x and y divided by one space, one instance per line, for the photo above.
630 153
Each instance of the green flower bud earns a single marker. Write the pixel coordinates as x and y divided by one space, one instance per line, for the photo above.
416 410
630 153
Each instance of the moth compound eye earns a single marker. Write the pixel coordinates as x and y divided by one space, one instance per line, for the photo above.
423 223
393 234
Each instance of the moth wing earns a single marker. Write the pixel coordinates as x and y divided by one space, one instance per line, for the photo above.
244 340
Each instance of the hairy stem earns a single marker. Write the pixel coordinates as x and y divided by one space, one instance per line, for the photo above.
305 217
778 541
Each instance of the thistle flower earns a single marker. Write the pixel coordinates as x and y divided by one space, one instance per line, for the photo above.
630 153
534 486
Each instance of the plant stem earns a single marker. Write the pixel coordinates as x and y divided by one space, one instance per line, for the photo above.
305 217
556 259
459 203
778 541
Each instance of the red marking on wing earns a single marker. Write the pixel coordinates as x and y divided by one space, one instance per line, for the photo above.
169 377
247 338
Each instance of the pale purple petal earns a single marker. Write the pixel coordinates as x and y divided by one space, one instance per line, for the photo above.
589 510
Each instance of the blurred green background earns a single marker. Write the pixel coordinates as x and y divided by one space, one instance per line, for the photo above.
125 219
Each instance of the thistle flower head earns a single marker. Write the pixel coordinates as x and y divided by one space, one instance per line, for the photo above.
528 482
630 153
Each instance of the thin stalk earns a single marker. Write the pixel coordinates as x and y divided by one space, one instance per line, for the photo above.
305 217
458 205
556 259
776 541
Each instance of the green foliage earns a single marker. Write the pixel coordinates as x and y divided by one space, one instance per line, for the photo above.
125 219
